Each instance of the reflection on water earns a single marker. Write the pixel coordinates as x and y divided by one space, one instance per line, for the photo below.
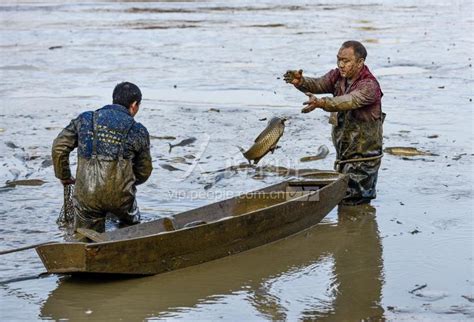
331 272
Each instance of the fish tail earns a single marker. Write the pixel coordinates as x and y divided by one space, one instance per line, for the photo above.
241 149
170 147
243 152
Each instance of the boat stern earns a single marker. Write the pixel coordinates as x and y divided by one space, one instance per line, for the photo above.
63 257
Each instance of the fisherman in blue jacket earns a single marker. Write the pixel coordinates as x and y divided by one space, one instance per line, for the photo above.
113 158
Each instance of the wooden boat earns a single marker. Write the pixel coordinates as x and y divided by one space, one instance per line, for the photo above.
203 234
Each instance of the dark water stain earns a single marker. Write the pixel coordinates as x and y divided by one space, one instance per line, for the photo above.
159 10
20 67
151 26
270 25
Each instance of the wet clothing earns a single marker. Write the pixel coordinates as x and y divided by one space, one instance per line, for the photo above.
356 116
113 157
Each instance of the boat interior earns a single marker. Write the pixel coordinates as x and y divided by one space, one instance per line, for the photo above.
267 197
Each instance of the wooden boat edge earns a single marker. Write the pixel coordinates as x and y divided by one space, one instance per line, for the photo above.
82 251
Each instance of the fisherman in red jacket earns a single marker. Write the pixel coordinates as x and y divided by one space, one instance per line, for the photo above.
356 116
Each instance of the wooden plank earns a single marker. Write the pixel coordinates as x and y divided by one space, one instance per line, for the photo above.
92 235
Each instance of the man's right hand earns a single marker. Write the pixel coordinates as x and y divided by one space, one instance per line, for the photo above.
294 77
69 181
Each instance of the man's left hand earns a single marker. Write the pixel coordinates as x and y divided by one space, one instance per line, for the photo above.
311 104
69 181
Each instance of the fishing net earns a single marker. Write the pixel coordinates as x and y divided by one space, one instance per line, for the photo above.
66 216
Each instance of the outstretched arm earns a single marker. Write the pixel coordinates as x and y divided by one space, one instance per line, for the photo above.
320 85
366 94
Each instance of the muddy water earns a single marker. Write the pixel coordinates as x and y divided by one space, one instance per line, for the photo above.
210 70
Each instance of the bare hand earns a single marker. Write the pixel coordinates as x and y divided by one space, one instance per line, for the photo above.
294 77
312 103
69 181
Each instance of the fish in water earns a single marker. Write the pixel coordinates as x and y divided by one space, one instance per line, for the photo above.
182 143
11 145
169 167
266 141
323 151
179 160
406 151
166 137
27 182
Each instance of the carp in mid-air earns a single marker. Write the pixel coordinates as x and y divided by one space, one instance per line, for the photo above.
266 141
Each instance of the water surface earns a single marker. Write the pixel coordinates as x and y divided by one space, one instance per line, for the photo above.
193 58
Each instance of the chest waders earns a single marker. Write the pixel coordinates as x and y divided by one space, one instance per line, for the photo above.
359 152
105 186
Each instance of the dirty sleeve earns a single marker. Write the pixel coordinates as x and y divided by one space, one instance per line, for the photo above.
320 85
142 163
366 93
64 143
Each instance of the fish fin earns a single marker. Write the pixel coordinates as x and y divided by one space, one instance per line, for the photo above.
275 148
170 147
241 149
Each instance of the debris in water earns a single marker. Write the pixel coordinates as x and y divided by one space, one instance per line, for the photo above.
417 159
219 177
457 157
417 288
372 40
431 295
469 298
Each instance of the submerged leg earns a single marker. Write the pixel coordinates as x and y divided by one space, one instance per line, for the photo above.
362 181
129 215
